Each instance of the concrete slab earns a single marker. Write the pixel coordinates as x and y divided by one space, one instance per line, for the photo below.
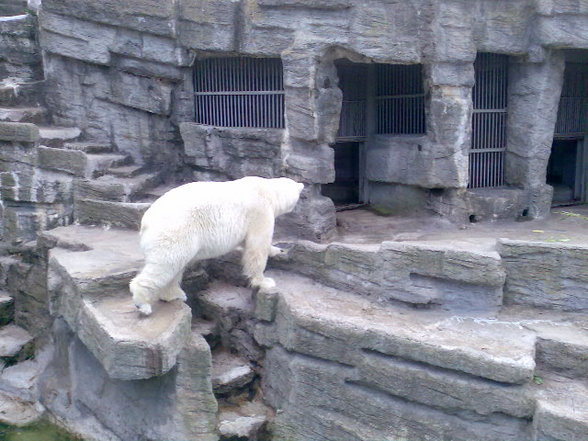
334 325
230 372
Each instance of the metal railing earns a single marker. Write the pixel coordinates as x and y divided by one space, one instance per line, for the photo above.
239 92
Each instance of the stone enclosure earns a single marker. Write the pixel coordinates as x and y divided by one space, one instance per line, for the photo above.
465 110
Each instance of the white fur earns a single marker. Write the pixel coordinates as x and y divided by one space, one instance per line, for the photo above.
203 220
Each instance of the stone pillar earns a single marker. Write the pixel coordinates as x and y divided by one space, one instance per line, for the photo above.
534 92
312 105
449 116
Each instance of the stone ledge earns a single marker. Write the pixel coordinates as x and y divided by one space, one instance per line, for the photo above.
89 289
416 273
19 132
548 275
131 347
330 324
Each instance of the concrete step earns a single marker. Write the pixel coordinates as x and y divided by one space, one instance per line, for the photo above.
156 192
108 213
14 93
6 308
562 338
98 261
78 163
89 147
114 188
245 422
561 409
16 344
230 373
52 136
422 274
35 115
127 171
207 329
331 324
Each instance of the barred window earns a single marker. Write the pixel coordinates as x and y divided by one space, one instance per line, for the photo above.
239 92
400 99
572 115
488 146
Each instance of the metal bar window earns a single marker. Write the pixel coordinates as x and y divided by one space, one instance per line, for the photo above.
239 92
400 99
489 121
572 115
353 84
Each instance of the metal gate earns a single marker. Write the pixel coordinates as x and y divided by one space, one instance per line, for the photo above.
239 92
489 121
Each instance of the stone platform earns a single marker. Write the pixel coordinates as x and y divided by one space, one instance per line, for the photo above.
90 269
420 336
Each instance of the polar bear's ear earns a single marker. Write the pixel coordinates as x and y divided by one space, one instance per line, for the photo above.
300 187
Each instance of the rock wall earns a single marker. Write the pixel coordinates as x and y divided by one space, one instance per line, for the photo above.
20 55
12 7
35 196
124 74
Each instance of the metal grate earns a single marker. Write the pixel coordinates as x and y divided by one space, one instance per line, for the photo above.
400 99
353 84
239 92
572 115
489 121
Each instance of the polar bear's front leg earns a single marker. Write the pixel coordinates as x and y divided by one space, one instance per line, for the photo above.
258 245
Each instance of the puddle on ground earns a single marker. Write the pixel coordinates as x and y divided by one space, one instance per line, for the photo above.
37 432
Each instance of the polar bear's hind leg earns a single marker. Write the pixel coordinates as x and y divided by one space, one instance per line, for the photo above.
149 284
174 291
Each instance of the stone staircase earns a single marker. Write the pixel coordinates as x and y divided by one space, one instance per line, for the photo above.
18 399
358 342
399 337
226 321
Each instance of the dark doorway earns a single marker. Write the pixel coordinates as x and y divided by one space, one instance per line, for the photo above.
562 171
345 189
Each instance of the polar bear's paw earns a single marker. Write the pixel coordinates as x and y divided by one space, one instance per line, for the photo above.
144 309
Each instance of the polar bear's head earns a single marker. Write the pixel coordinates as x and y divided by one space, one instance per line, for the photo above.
285 194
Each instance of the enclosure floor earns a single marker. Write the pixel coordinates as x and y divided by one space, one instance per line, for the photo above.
565 225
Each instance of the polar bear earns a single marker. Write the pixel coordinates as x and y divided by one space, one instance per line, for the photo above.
202 220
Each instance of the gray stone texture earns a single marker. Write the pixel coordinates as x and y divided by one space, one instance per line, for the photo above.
12 7
545 275
419 274
123 74
99 308
337 368
233 153
20 55
532 116
19 132
178 405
